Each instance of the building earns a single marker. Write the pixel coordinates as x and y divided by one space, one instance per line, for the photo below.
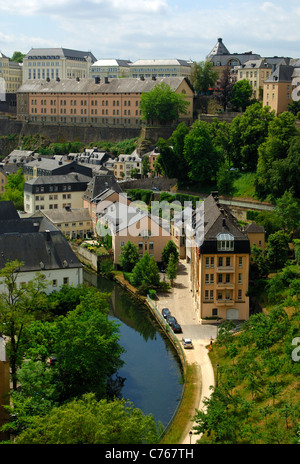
54 192
128 223
278 88
256 72
160 68
221 58
98 186
5 171
56 63
219 264
256 235
125 164
45 166
11 73
110 68
41 248
72 222
97 102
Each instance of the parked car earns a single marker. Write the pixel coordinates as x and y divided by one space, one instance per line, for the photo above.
166 312
171 320
155 189
176 327
187 343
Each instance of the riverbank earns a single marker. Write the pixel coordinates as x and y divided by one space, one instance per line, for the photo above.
199 371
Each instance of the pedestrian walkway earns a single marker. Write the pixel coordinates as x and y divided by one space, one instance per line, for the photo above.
181 304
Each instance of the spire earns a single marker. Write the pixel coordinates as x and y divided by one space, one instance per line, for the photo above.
219 49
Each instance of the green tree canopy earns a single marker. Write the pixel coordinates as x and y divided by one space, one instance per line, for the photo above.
201 154
129 256
203 77
169 249
162 105
88 421
145 274
241 95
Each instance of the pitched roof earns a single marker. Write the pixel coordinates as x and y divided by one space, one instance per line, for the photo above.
99 184
219 49
8 211
88 85
57 53
51 251
283 73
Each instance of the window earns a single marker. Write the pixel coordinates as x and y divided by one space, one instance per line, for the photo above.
207 278
212 262
54 283
206 262
214 311
151 245
225 242
240 261
206 294
240 280
220 262
228 261
227 278
66 280
239 294
211 294
220 278
212 278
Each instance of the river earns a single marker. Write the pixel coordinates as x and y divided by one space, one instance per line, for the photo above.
151 367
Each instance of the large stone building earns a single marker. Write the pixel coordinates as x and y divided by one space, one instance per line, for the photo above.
278 88
160 68
256 72
98 102
221 58
56 63
11 73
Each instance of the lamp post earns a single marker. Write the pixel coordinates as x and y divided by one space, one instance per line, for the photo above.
190 434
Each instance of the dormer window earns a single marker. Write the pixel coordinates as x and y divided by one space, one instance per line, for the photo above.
225 242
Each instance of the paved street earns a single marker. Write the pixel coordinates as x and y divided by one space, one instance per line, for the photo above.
181 304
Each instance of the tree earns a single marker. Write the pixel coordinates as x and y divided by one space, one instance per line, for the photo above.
14 189
145 165
272 166
200 153
19 305
277 251
169 249
287 209
247 133
145 274
129 256
18 57
162 105
224 179
241 95
88 421
87 348
226 86
172 268
203 77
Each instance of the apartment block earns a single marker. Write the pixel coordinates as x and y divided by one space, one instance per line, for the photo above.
219 265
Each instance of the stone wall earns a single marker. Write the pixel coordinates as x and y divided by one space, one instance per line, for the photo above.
163 183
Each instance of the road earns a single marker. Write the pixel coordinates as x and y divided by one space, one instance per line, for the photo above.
181 304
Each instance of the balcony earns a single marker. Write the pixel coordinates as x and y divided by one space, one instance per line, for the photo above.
224 285
225 269
225 302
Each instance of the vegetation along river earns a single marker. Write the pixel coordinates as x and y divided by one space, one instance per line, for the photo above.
151 367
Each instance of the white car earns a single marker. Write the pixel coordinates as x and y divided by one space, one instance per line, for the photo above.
187 343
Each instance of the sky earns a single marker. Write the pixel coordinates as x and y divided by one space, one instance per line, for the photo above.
151 29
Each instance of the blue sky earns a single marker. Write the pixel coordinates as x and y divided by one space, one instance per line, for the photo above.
133 29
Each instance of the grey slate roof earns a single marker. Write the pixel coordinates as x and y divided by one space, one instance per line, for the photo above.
219 49
99 184
67 215
37 250
88 85
219 220
7 211
283 73
57 53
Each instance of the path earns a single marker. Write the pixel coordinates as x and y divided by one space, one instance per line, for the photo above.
181 304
